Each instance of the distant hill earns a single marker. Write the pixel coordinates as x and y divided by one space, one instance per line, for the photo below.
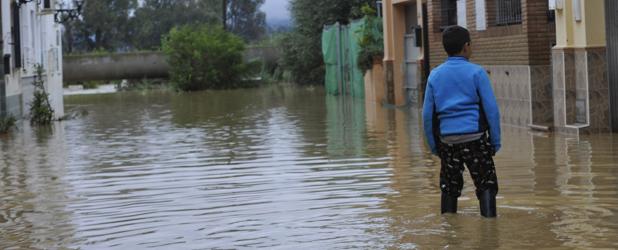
279 22
278 25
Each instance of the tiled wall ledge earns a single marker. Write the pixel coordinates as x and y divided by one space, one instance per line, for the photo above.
523 93
580 90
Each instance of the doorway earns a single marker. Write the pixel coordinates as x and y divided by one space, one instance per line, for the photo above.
412 43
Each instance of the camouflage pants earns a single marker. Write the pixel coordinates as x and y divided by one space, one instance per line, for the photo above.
477 156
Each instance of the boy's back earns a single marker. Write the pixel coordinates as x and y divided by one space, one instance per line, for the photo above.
462 123
459 93
455 89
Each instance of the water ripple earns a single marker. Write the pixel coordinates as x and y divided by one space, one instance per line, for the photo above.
282 168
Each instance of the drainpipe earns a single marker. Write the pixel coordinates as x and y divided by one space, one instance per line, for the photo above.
389 68
15 30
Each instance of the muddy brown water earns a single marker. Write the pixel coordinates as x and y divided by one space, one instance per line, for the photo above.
285 168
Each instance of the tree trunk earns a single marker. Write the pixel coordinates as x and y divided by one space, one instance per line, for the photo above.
69 36
224 16
98 39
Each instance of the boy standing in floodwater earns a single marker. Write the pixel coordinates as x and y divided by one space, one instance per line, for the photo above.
462 123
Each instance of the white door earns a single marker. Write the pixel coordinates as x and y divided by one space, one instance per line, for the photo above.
411 70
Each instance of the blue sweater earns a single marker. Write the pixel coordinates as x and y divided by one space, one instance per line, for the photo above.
457 92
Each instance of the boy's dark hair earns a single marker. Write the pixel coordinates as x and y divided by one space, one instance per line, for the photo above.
454 38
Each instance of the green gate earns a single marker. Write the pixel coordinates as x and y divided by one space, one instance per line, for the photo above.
340 49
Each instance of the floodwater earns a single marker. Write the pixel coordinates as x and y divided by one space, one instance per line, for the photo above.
285 168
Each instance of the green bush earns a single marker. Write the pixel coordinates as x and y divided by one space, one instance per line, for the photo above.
40 109
42 114
92 84
204 57
371 40
6 123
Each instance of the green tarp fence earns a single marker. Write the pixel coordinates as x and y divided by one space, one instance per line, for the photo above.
340 49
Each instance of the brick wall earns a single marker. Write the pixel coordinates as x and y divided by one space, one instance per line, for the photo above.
528 43
541 32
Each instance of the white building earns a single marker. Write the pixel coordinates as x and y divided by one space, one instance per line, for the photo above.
30 37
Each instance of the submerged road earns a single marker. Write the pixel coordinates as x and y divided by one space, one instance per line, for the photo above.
285 168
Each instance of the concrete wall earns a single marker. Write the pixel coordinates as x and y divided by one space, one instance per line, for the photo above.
267 54
115 66
375 92
137 65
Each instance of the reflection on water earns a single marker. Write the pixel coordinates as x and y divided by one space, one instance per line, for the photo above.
288 168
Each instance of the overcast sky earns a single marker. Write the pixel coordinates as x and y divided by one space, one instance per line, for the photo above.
276 9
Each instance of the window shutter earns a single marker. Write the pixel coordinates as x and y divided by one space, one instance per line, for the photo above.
461 14
481 14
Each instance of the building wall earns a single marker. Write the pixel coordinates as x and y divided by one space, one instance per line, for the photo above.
511 84
593 13
375 92
564 25
580 86
528 43
488 45
40 45
517 57
588 31
396 12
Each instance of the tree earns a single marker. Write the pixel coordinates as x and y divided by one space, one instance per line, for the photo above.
104 25
302 53
204 57
115 25
224 13
244 18
371 42
156 18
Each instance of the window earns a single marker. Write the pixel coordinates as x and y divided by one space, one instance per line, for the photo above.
508 12
449 13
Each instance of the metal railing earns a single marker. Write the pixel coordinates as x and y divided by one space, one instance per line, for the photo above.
508 12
